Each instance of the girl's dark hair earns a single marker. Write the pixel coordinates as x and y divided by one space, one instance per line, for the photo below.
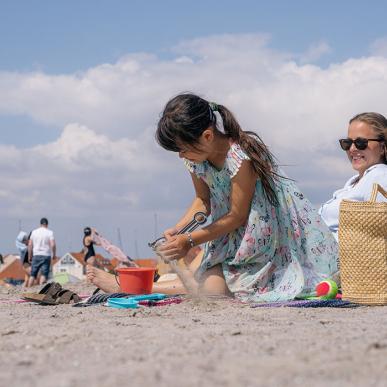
87 231
187 116
378 123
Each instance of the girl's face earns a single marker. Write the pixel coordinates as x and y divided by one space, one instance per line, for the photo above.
361 160
201 150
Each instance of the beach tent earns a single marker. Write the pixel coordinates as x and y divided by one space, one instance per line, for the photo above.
12 268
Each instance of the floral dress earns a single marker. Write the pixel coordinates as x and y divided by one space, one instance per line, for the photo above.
281 252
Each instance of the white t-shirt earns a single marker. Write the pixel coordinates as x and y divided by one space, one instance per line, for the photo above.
359 192
41 239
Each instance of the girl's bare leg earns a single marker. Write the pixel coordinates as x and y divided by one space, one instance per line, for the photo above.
193 264
101 279
212 283
169 287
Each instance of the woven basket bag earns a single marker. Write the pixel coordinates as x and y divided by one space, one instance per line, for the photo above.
363 250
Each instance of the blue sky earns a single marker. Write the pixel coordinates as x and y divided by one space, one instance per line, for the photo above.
82 84
66 36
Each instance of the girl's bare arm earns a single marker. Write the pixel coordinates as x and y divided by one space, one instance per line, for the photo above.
242 192
200 203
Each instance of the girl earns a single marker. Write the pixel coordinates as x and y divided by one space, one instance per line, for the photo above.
266 242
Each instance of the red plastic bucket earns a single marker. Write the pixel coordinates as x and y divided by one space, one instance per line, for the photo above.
136 280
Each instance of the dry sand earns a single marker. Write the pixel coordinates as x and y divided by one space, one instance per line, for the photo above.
195 343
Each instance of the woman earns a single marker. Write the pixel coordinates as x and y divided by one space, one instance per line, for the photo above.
88 244
366 148
21 244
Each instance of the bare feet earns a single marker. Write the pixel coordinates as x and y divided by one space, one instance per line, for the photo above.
101 279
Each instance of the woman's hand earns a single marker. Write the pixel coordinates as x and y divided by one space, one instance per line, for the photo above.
176 247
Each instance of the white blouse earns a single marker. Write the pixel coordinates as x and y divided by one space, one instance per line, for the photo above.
359 192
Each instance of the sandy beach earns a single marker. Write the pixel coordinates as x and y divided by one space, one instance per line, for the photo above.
212 342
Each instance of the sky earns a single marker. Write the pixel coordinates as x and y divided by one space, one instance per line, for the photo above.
82 85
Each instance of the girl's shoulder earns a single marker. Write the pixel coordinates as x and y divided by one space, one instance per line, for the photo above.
198 169
232 162
234 159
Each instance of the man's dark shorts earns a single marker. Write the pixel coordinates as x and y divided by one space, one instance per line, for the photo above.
42 263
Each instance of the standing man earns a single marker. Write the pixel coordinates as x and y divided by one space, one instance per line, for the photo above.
41 247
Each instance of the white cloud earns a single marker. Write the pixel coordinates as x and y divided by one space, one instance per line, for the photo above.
106 160
379 47
315 52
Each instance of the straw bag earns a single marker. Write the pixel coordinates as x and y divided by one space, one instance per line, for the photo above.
363 250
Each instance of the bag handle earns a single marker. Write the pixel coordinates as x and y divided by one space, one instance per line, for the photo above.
375 189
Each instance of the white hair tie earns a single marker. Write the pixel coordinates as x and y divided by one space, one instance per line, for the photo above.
219 122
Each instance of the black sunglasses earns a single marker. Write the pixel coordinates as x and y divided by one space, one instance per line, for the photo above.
360 143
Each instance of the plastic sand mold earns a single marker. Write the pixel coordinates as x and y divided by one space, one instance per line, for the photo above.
133 302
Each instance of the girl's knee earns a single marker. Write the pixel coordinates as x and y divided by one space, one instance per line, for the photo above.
214 283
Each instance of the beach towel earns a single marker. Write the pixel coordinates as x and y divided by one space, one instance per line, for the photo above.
98 299
113 250
335 303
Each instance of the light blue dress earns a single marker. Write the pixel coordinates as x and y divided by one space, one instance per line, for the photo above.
281 252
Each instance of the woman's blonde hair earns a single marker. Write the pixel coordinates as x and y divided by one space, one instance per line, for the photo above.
378 123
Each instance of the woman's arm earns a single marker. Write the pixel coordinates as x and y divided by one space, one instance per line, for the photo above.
242 192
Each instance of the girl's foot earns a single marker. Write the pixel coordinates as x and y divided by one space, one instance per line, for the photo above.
101 279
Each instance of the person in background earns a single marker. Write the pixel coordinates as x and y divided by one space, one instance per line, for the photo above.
366 148
88 244
41 248
22 246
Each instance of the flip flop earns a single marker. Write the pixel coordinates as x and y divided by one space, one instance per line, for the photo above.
46 295
122 303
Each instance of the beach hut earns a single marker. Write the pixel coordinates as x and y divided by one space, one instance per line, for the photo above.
75 265
69 264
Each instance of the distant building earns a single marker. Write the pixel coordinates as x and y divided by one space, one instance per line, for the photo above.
74 264
70 265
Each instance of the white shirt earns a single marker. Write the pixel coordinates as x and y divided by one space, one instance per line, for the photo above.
359 192
42 239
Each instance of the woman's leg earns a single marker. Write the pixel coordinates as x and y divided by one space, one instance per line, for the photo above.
27 269
91 260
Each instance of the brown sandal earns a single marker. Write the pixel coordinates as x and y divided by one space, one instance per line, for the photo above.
67 297
47 295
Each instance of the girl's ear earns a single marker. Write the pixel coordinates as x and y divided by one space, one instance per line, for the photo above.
208 135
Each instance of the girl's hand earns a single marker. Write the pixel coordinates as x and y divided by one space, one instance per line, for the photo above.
175 247
170 232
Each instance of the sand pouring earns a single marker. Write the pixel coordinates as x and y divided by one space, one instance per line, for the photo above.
198 219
